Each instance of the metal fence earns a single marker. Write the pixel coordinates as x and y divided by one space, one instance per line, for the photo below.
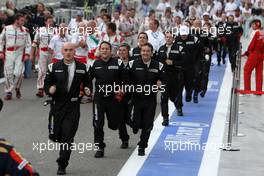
234 106
22 3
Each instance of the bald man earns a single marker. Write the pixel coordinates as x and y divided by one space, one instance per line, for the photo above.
62 83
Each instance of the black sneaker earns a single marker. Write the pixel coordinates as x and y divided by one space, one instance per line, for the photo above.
99 153
224 61
61 171
218 64
124 145
179 112
18 93
165 122
141 151
188 98
202 94
40 93
195 99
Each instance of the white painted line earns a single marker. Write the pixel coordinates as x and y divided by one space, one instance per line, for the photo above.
211 157
135 162
2 80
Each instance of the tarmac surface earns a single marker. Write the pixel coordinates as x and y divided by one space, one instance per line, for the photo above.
24 123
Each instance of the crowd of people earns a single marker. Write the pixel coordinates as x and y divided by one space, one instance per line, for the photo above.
164 49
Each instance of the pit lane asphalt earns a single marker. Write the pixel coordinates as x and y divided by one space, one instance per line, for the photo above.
24 123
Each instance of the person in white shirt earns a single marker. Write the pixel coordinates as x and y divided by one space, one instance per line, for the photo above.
259 4
177 25
80 40
136 22
99 19
246 14
218 16
193 14
206 18
106 19
162 6
73 25
155 37
167 20
178 12
197 8
126 28
230 7
116 19
112 37
57 42
212 7
238 17
41 41
15 47
145 22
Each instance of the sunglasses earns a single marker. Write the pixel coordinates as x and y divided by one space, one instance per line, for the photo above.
68 49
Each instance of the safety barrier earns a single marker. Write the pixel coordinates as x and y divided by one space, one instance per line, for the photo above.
234 104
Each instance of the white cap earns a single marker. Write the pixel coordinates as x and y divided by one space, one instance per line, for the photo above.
184 30
206 13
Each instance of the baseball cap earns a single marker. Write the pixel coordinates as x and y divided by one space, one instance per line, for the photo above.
80 13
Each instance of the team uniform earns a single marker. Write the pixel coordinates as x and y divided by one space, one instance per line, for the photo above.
41 40
255 54
233 42
189 60
115 41
12 163
141 74
221 37
81 53
15 43
56 44
106 103
65 106
174 78
126 28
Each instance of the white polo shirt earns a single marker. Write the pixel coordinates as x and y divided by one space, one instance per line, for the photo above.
56 44
156 39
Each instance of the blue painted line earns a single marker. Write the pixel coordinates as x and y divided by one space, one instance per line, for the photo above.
194 126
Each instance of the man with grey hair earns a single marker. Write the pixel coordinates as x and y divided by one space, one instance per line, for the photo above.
10 5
